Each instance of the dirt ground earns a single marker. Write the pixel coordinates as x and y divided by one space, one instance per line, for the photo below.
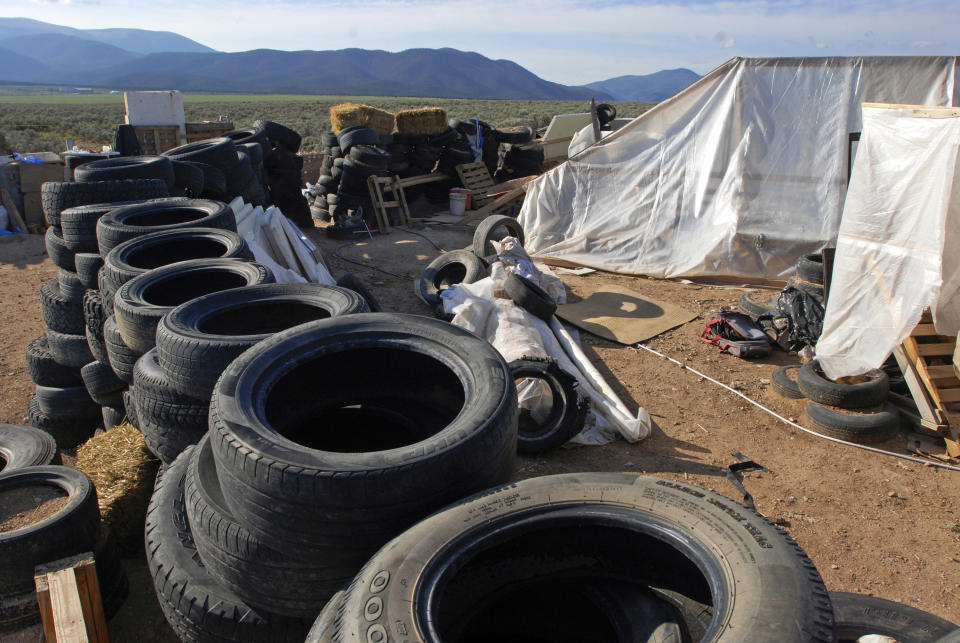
872 524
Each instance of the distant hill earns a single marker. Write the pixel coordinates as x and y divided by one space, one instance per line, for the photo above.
651 88
67 54
20 68
138 41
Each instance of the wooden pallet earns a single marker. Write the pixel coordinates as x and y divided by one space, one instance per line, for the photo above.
156 139
931 358
476 178
206 129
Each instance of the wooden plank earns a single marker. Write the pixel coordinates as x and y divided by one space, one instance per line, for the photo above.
924 330
14 212
68 594
948 395
421 179
490 207
928 412
936 349
920 111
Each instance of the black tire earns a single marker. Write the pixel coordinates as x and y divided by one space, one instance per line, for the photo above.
127 167
810 268
188 177
43 541
489 229
605 113
530 296
449 269
141 302
102 384
131 409
159 215
214 182
98 347
408 440
88 265
354 283
784 382
336 153
170 421
372 156
816 290
140 254
71 288
111 576
270 575
57 250
218 152
197 607
122 358
44 368
865 426
817 388
590 526
69 349
278 133
255 151
113 416
240 175
58 312
856 615
94 313
197 340
68 431
248 135
25 446
57 197
350 136
328 140
523 135
71 401
567 415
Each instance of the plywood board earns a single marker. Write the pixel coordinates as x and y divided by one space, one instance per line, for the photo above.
623 315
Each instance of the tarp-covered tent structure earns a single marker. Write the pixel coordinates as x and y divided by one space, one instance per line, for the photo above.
736 176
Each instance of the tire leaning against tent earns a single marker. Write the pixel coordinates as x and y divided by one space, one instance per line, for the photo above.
354 283
196 606
856 615
141 302
413 444
271 575
690 536
567 413
530 296
169 420
784 382
810 268
161 215
487 230
449 269
25 446
197 340
815 386
43 541
866 426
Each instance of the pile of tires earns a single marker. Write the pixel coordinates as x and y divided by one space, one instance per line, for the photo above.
855 409
519 159
303 475
50 513
482 136
592 556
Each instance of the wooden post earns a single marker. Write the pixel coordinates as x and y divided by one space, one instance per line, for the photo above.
14 212
68 594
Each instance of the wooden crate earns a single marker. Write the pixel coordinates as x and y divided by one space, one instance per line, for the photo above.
156 139
207 129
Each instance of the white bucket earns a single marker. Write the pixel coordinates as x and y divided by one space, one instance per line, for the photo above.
458 203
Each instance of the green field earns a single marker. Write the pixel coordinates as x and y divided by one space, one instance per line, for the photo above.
42 121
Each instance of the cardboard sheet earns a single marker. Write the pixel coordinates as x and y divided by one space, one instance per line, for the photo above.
623 315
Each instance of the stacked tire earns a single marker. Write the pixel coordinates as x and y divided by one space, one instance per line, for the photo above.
362 157
854 409
323 197
809 276
340 468
52 513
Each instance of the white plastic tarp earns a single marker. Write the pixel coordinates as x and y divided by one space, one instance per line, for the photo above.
898 251
738 175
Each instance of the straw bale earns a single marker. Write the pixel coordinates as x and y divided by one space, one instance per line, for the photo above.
422 120
349 114
123 471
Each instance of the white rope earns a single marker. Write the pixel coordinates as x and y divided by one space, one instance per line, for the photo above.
794 424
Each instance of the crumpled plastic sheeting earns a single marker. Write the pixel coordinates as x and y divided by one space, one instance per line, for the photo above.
898 251
737 176
515 333
511 253
279 245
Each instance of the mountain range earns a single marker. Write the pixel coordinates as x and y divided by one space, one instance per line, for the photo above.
43 53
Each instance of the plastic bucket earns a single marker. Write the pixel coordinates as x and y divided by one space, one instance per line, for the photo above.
464 191
458 203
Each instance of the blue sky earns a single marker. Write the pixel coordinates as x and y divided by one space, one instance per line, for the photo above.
560 40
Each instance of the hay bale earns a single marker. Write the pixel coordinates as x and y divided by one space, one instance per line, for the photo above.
123 471
349 114
422 120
